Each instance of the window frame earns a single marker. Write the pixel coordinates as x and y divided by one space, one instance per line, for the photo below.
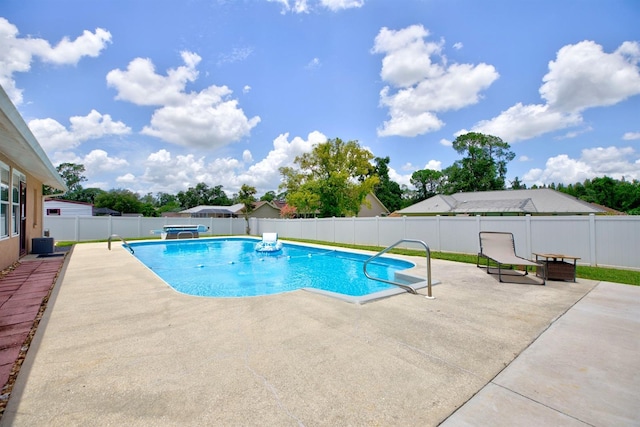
16 216
5 202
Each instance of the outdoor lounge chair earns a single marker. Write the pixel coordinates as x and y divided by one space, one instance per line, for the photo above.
500 248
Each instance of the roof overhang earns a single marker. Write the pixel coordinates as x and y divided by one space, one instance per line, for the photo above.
21 147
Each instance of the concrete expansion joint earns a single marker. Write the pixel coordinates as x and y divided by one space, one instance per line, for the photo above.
270 388
537 402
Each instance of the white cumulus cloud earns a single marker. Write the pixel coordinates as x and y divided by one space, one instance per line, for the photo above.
19 52
614 162
582 76
419 87
304 6
209 118
53 136
167 173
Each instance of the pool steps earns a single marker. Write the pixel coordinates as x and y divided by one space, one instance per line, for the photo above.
407 288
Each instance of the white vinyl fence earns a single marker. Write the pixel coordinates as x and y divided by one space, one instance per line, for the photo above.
598 240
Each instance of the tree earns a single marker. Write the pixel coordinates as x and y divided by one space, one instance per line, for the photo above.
121 200
485 166
428 183
202 194
269 196
620 195
87 195
288 211
332 180
246 196
517 185
166 202
71 173
387 191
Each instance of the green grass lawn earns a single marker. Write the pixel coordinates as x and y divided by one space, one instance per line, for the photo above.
629 277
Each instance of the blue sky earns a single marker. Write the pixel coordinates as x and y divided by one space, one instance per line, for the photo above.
158 95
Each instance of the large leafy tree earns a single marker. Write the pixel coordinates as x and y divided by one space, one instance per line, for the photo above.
269 196
387 191
484 166
246 196
332 180
620 195
72 174
121 200
428 183
202 194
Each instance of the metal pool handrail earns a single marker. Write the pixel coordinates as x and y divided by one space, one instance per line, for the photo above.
405 287
124 242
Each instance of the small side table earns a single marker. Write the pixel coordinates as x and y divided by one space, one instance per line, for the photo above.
557 266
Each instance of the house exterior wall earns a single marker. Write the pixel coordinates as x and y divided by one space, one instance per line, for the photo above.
10 241
264 211
376 209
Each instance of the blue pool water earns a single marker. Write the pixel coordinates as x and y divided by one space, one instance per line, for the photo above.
232 268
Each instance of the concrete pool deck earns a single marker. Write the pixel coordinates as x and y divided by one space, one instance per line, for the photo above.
116 346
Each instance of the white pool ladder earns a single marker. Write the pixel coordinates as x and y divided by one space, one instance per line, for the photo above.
405 287
124 242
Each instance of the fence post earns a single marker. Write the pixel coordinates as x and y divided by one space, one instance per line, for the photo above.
438 244
76 227
353 228
404 226
592 240
333 222
527 224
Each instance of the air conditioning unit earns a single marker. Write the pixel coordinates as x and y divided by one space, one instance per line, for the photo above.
42 245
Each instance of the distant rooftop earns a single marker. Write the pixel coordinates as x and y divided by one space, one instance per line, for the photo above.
508 202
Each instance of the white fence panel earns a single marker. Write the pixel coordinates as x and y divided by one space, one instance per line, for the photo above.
390 230
562 235
343 229
597 240
93 227
325 229
617 241
365 231
459 235
416 229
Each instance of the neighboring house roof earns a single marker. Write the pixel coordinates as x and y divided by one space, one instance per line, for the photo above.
236 209
105 211
209 209
22 147
536 201
72 202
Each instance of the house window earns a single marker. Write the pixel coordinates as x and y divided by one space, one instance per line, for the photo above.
16 215
51 212
4 200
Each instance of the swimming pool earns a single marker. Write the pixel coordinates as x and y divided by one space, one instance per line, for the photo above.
230 267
